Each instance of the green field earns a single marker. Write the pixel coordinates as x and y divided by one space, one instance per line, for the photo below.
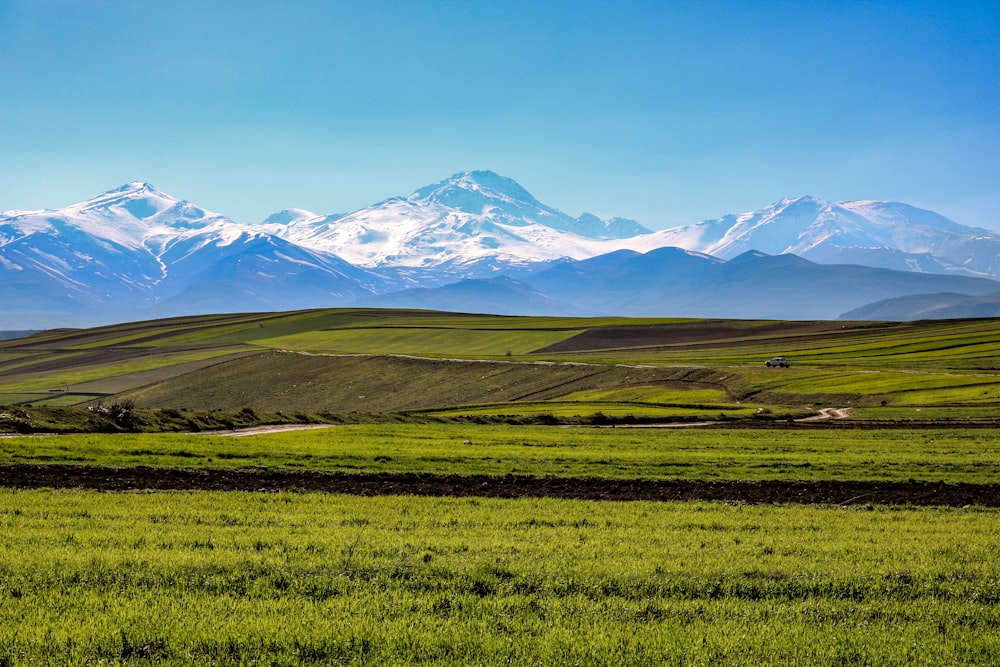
378 361
289 579
933 455
261 578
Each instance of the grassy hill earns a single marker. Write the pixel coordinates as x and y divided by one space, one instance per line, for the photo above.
446 364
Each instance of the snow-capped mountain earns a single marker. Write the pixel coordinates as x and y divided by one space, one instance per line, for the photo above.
136 249
473 218
479 239
884 234
135 216
91 255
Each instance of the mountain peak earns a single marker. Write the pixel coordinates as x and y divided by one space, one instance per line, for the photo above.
804 198
805 201
287 216
473 191
139 199
133 187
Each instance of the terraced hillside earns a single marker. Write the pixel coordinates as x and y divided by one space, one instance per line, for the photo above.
379 361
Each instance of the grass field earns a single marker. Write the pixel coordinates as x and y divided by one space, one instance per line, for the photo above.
290 579
934 455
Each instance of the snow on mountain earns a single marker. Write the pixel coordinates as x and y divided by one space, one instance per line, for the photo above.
788 226
108 249
276 223
287 216
885 234
89 255
912 230
136 251
136 248
465 219
137 214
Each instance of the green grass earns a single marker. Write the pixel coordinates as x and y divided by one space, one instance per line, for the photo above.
946 455
290 579
247 330
943 414
652 394
944 345
27 398
297 382
109 417
443 342
28 381
590 412
61 399
926 365
888 382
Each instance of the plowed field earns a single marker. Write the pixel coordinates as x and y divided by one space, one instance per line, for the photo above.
509 486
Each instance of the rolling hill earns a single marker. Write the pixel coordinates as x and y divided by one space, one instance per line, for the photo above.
349 363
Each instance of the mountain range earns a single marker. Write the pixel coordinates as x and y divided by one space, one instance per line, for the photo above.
884 234
478 241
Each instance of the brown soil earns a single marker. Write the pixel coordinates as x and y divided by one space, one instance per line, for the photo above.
27 476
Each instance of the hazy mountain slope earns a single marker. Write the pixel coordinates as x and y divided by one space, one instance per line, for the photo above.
671 283
627 280
255 272
497 296
928 307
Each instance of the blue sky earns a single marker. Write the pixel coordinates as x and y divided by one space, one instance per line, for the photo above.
666 112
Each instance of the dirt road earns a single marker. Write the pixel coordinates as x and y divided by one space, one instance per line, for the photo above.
262 430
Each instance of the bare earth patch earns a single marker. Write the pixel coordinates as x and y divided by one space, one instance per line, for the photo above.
28 476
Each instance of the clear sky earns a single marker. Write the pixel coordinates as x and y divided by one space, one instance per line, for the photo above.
665 112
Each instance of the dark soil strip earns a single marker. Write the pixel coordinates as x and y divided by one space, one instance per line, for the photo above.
30 476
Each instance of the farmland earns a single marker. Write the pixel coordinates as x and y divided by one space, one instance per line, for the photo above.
377 362
491 490
878 455
244 578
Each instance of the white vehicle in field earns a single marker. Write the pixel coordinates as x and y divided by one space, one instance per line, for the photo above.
777 362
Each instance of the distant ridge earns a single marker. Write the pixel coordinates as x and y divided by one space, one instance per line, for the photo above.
675 282
882 234
476 241
929 307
